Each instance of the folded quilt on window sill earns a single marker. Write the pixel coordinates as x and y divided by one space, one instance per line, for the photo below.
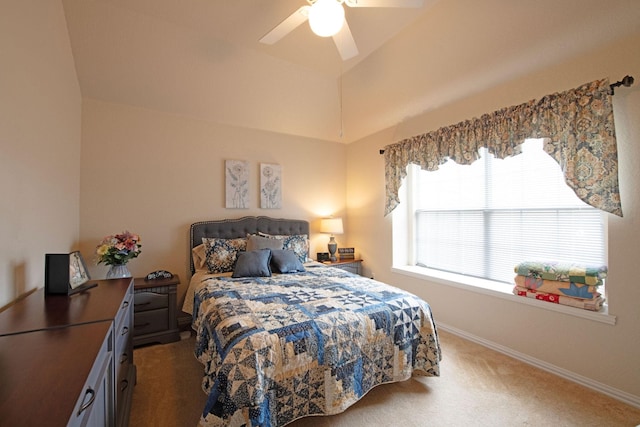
569 289
564 272
585 304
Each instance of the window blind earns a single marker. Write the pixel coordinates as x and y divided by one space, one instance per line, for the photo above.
483 219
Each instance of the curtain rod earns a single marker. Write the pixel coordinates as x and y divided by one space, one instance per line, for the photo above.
626 81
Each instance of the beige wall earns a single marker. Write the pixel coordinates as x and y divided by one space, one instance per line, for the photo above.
155 173
606 354
39 143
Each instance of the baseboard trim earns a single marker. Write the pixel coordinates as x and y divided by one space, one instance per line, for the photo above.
620 395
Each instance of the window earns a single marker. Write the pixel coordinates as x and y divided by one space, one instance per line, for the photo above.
482 219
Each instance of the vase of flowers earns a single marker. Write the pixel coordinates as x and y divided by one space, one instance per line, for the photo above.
118 271
116 251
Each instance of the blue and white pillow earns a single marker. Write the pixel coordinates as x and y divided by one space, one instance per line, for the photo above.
221 254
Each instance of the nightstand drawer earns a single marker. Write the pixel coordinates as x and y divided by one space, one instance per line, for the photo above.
146 301
147 322
352 266
154 307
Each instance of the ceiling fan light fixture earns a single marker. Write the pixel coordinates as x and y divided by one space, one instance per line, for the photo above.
326 17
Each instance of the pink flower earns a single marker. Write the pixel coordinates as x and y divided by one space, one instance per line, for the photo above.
118 249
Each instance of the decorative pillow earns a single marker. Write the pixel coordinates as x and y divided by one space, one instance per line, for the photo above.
199 256
253 264
221 254
298 243
284 261
255 242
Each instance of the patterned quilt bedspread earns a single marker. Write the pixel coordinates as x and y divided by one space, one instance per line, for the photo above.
283 347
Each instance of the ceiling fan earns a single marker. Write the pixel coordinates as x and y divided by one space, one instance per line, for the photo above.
326 19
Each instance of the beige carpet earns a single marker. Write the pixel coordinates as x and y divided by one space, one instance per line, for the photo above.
477 387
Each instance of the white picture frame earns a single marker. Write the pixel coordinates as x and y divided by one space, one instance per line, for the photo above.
270 186
78 274
236 184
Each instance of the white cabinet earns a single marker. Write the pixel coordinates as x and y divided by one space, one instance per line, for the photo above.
96 406
125 373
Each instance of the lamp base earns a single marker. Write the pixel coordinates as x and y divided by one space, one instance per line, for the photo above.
333 247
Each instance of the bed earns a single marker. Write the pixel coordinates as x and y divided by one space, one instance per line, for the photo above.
282 337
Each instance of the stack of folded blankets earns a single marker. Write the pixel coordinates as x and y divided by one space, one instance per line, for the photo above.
569 284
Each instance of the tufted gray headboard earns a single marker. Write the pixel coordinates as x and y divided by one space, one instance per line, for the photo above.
240 227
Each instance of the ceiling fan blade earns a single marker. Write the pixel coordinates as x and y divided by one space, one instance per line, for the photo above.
345 43
285 27
384 3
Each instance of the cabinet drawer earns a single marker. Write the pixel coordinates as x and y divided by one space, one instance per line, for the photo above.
122 379
145 301
122 362
122 325
122 337
123 354
147 322
95 406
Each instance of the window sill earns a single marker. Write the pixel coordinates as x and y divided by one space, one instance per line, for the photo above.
500 290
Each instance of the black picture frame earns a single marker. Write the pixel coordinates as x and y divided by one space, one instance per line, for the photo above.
322 256
66 274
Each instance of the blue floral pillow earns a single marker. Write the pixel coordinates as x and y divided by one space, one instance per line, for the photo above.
298 243
222 254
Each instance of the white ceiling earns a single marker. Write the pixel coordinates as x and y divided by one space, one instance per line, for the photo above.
202 58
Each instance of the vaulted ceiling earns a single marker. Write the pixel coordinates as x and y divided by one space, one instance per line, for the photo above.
203 59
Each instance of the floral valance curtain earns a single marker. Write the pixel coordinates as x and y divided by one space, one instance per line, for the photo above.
579 134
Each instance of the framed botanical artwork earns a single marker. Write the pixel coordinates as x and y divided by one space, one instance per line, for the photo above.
237 184
270 186
78 274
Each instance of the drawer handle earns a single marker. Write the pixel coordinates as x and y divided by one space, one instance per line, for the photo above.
125 304
141 325
90 402
123 385
124 358
142 304
125 330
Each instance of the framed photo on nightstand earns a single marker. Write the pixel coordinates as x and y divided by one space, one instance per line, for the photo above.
322 256
346 253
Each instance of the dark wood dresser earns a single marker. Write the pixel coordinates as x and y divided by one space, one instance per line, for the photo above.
68 360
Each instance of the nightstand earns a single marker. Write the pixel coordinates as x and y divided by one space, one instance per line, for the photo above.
155 312
351 265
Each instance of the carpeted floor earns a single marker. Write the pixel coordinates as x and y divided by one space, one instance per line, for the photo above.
477 387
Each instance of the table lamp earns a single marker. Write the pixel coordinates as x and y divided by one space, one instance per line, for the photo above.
332 226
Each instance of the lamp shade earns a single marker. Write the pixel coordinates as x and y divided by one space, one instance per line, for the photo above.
331 225
326 17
